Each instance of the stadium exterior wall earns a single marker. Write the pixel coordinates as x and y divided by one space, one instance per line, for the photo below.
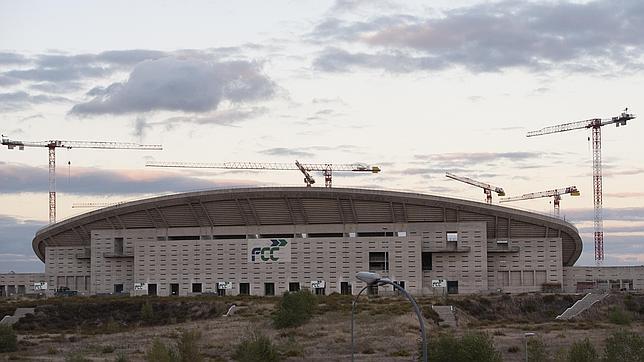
265 241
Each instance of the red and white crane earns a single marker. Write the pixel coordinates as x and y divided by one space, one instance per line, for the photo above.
555 194
305 168
53 144
595 124
487 188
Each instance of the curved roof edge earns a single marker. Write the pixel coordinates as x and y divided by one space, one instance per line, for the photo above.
131 206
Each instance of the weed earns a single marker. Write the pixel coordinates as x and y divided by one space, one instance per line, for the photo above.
624 346
513 349
52 350
188 348
537 351
121 357
582 352
256 347
147 312
107 349
76 356
8 339
619 316
158 352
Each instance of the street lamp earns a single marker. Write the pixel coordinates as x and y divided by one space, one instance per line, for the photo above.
373 279
525 336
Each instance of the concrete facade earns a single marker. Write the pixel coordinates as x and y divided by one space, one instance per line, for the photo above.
268 241
16 284
584 278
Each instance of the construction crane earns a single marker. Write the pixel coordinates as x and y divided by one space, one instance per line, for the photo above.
305 168
595 124
487 188
53 144
555 194
93 205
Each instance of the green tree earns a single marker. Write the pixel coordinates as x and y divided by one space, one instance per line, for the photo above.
582 351
473 346
147 312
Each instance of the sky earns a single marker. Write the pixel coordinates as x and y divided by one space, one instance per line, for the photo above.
416 88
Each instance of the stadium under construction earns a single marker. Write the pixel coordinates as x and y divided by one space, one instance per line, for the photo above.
266 241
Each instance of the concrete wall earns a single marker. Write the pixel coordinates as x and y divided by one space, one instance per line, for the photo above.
68 266
19 283
524 265
582 278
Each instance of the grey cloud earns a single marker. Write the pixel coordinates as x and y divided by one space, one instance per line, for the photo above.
618 250
609 213
180 85
479 157
596 36
291 152
129 57
8 81
21 100
12 58
16 253
18 178
57 87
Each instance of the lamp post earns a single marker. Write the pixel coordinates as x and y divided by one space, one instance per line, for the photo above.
374 279
526 335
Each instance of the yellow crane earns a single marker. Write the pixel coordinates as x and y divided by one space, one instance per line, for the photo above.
487 188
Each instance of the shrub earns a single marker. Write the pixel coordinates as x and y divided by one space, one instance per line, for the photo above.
513 349
76 357
158 352
582 352
473 346
107 349
188 348
256 347
619 316
121 357
537 350
147 312
295 309
624 346
8 339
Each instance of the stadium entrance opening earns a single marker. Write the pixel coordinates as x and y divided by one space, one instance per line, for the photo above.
452 287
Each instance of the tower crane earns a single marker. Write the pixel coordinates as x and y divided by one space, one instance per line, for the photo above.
305 168
93 205
487 188
595 124
555 194
53 144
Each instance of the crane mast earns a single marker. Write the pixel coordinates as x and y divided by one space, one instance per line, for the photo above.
53 144
305 168
487 188
595 125
555 194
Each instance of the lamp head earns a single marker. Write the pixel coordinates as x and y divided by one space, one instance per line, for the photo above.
368 277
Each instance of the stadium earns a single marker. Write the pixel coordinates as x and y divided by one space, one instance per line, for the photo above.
266 241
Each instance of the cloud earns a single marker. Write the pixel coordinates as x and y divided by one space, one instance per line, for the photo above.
618 250
290 152
57 87
8 81
176 84
21 100
609 213
19 178
595 36
16 253
12 58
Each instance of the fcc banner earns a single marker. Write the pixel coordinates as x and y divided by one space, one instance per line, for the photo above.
262 251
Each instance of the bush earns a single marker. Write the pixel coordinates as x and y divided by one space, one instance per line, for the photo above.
582 352
76 357
257 347
295 309
537 350
624 346
121 357
147 313
158 352
107 349
8 339
472 346
188 348
619 316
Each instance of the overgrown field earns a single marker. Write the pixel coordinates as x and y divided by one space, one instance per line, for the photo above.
315 328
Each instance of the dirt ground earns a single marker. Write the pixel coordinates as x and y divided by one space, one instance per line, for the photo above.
385 330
